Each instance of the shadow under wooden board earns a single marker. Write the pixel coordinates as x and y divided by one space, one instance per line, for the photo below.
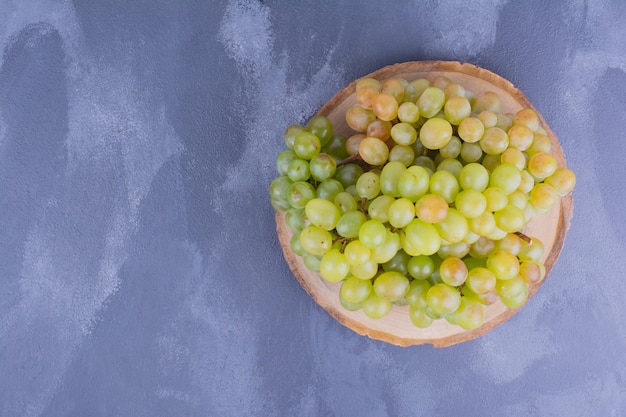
396 328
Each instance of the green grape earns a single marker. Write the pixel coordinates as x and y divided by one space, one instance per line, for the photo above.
348 306
395 87
511 288
541 165
408 112
402 153
278 205
390 176
506 177
487 101
527 183
488 118
413 183
452 149
514 157
373 151
299 194
336 147
454 228
307 145
453 166
295 245
504 122
527 117
470 315
474 176
517 301
419 317
312 262
471 152
445 185
426 162
494 141
543 197
279 188
345 202
322 213
355 290
496 199
348 174
321 127
511 242
416 295
497 234
503 264
443 299
353 142
541 143
454 90
379 208
520 137
435 133
376 307
334 267
290 134
401 212
322 167
457 109
471 130
518 199
385 106
283 159
298 170
349 223
366 270
532 251
397 263
329 189
415 89
315 240
530 272
403 133
482 247
454 250
391 285
296 219
480 280
420 267
510 219
368 82
470 203
357 253
471 237
562 180
453 271
359 118
482 225
421 238
389 248
368 185
372 233
431 101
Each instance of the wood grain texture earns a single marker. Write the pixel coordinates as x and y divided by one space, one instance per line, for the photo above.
396 327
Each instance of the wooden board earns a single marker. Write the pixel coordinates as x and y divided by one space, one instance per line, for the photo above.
396 327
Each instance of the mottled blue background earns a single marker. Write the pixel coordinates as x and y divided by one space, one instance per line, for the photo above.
140 274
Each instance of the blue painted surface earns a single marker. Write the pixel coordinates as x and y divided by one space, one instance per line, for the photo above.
140 270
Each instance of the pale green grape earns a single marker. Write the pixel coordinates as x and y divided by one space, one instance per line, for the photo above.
419 317
471 129
452 149
408 112
315 240
435 133
482 225
357 253
426 162
322 213
372 233
471 152
514 157
336 147
454 228
290 134
511 288
283 159
454 250
295 245
389 178
298 170
503 264
379 208
530 272
333 266
421 238
497 199
457 109
470 203
376 307
355 290
453 271
532 251
348 306
398 263
388 249
329 189
543 197
487 101
391 285
488 118
307 145
299 194
353 142
516 301
451 165
415 89
402 153
431 101
511 242
401 212
494 141
445 185
312 262
368 185
527 117
280 188
541 165
482 247
403 133
506 177
373 151
349 223
413 183
510 219
348 174
454 90
474 176
480 280
562 180
470 315
345 202
520 137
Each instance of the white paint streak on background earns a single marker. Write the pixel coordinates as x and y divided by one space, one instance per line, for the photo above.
108 120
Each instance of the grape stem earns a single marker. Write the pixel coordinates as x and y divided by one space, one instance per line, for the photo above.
524 237
351 158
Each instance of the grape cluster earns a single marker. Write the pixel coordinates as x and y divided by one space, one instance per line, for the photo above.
424 204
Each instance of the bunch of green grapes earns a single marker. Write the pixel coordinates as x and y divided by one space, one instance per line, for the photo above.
423 205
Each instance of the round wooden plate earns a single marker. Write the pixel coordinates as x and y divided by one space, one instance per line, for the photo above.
396 327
